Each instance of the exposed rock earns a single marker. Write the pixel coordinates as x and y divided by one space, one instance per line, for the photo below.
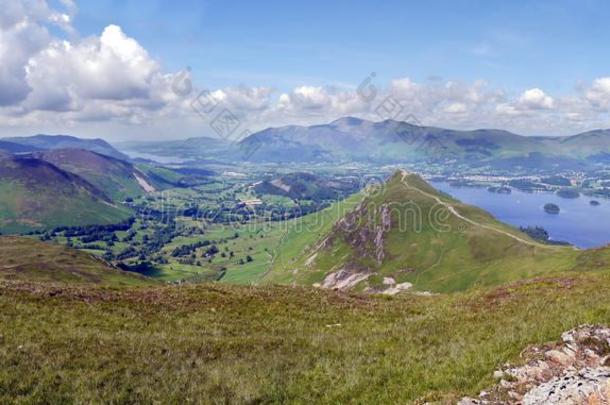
144 184
386 223
574 371
397 288
589 386
388 281
343 279
364 229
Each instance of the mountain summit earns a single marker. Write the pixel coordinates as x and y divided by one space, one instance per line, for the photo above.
408 232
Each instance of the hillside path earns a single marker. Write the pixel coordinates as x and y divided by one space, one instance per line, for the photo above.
452 209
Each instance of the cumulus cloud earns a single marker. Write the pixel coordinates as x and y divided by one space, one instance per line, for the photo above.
110 67
19 40
536 99
320 101
51 79
244 98
599 93
95 78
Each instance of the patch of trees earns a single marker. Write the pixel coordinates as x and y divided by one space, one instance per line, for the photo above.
525 185
186 250
568 193
145 268
71 231
541 235
557 181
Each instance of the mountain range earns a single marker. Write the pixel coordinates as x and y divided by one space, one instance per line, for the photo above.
51 142
352 139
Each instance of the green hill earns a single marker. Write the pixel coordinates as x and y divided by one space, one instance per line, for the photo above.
411 233
36 195
300 185
118 179
65 339
29 260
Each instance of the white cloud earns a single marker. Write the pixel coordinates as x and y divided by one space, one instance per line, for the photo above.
456 108
111 67
60 81
244 98
403 87
536 99
320 102
599 93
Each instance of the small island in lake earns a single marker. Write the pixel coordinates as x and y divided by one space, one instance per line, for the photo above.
499 190
568 193
551 208
594 203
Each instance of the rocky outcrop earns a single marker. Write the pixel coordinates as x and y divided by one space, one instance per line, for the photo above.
380 230
343 279
575 371
389 287
364 229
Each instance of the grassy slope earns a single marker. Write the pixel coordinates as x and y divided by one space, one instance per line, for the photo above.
31 260
459 256
302 237
25 208
114 177
36 195
227 344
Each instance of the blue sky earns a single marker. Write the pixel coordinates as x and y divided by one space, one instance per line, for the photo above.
107 67
516 44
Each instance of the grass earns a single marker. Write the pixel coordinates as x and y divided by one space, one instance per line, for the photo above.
300 241
29 259
217 343
257 240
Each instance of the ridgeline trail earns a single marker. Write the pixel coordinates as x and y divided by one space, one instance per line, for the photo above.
452 209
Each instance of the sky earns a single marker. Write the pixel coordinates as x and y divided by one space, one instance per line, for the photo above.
133 70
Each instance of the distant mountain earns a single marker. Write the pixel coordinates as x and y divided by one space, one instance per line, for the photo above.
200 148
299 186
35 194
354 139
118 179
12 147
41 142
389 142
407 233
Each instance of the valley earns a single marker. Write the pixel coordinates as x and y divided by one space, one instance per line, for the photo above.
358 257
304 202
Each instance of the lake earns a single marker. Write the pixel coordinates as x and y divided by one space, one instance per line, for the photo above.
578 222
